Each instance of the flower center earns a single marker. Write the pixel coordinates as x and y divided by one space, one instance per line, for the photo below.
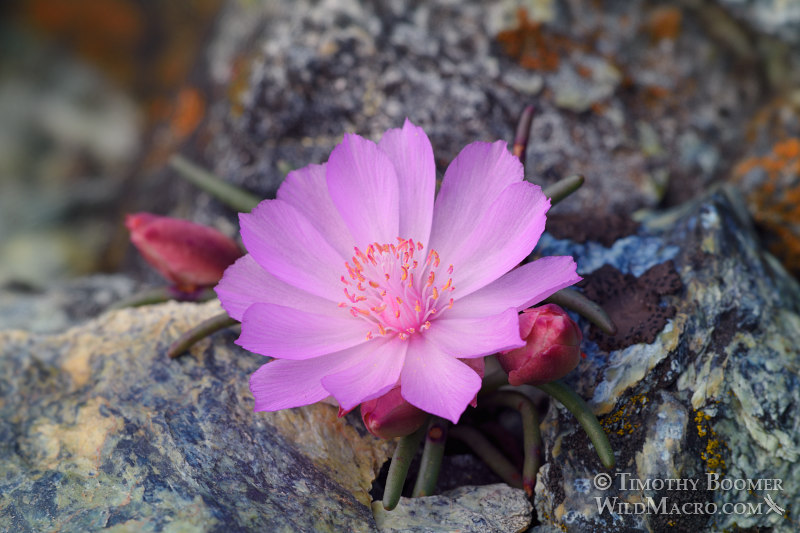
394 292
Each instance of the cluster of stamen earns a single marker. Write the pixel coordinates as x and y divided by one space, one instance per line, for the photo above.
395 293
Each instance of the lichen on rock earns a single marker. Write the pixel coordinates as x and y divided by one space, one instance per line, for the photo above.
715 392
100 429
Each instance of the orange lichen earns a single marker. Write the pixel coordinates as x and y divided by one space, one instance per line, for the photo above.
528 44
775 201
664 23
188 112
147 49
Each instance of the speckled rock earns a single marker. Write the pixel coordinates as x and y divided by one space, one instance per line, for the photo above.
644 100
780 18
99 429
485 509
62 303
716 392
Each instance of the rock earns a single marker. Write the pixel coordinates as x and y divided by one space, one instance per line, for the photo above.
489 508
67 139
641 99
773 17
62 303
716 392
99 429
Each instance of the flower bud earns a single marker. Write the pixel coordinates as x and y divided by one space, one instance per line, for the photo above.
187 254
552 347
390 416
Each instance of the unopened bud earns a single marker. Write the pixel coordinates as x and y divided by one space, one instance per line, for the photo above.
552 347
390 416
187 254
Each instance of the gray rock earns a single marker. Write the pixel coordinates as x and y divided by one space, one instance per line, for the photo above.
715 393
61 304
291 77
485 509
99 429
780 18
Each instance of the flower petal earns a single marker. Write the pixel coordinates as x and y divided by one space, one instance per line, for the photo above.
521 288
410 151
377 371
282 383
363 186
245 283
475 337
504 236
474 179
288 246
288 333
435 382
306 189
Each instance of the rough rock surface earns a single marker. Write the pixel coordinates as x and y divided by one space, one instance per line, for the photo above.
716 392
644 100
486 509
60 304
99 429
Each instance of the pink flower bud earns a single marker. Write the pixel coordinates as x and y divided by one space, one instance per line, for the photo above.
390 416
552 349
187 254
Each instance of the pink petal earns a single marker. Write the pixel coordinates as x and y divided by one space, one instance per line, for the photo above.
288 246
475 337
377 371
288 333
306 190
245 283
363 186
475 178
521 288
281 383
410 151
504 236
435 382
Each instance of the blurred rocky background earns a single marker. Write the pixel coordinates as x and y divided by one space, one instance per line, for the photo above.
655 102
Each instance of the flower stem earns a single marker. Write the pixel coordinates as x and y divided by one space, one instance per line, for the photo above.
488 454
572 299
532 437
160 295
432 454
522 134
585 417
199 332
563 188
398 470
233 196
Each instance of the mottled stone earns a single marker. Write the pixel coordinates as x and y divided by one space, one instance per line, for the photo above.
780 18
647 111
486 509
99 429
715 392
60 304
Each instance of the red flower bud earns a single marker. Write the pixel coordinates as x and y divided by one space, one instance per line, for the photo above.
552 347
390 416
187 254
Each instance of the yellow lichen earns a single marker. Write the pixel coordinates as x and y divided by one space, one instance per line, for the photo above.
618 422
715 449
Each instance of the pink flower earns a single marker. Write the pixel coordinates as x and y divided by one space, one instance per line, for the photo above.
187 254
390 416
357 282
552 347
